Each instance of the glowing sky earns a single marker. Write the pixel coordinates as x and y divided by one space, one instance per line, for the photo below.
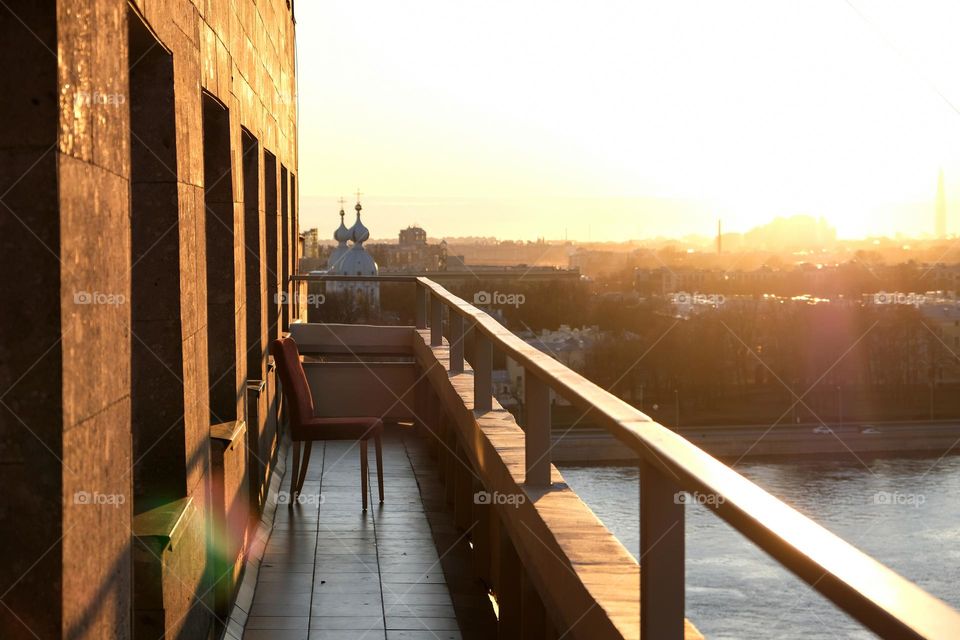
625 118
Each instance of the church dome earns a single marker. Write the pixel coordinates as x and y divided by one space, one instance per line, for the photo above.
341 235
357 262
358 232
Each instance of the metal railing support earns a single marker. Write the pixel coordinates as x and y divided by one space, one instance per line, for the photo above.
537 430
482 373
661 555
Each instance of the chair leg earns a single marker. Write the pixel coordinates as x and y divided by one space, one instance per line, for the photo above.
379 447
363 472
307 447
295 472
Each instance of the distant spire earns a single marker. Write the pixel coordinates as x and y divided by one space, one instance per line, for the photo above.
719 236
941 208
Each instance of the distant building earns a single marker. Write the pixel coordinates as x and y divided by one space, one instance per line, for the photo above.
662 281
943 320
413 237
311 243
944 277
509 252
593 262
412 253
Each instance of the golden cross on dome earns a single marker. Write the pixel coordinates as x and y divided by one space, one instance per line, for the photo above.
342 201
358 194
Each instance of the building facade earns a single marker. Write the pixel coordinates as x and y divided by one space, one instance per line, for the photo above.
149 228
412 253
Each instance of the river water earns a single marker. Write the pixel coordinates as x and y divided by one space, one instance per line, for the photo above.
905 512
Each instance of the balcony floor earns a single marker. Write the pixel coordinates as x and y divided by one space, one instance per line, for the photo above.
399 572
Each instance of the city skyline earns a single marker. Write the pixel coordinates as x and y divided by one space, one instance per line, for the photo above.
392 215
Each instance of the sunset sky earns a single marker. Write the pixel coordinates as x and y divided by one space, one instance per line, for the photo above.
627 119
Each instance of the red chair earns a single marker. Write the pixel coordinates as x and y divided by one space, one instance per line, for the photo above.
306 427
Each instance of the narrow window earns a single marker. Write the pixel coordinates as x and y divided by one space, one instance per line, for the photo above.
272 221
157 398
221 259
253 223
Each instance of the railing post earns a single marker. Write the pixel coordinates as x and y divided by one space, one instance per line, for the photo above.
661 555
420 310
436 321
456 342
482 373
537 431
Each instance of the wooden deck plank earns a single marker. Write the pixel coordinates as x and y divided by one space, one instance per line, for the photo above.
328 567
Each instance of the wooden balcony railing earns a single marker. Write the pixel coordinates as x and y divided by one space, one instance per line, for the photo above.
865 589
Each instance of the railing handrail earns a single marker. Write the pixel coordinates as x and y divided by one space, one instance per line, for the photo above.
473 275
862 587
304 277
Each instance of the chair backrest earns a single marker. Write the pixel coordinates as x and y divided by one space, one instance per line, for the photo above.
296 389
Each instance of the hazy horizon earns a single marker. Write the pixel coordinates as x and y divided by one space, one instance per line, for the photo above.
487 217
